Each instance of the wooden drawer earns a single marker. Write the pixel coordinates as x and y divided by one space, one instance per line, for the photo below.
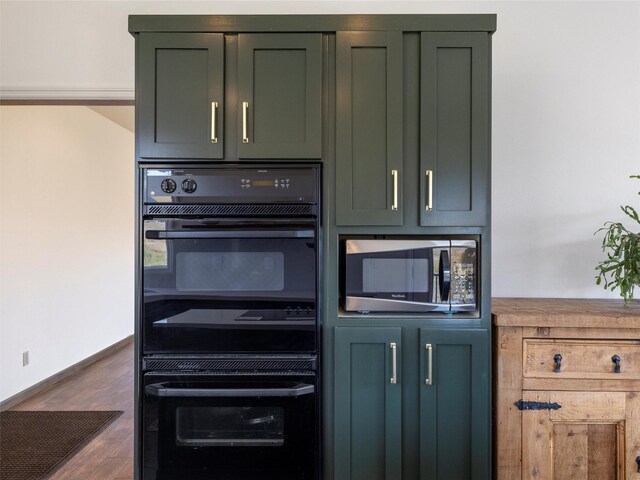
587 359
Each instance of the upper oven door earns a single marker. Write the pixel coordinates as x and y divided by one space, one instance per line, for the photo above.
243 286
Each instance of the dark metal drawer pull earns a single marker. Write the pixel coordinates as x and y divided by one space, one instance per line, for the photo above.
523 405
558 359
638 462
616 359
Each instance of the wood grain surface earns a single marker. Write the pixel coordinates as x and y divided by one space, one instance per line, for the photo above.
590 359
566 312
596 432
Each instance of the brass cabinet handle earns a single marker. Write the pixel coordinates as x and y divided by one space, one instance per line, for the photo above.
245 107
394 365
214 112
429 205
429 379
394 174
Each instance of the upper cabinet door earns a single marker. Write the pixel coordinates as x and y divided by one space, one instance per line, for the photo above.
181 95
369 128
280 95
454 129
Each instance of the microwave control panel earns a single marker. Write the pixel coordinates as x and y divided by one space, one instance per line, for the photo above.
463 283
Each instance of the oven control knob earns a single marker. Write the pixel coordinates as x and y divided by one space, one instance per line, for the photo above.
189 185
168 185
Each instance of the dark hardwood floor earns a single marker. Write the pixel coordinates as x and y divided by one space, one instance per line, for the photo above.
105 385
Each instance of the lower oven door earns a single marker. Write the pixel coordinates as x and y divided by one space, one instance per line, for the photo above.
228 427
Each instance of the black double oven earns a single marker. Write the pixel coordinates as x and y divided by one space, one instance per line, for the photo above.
229 380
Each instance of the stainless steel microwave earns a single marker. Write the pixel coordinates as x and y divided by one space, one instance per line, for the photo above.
417 275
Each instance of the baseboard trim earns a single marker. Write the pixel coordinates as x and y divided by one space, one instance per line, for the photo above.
58 377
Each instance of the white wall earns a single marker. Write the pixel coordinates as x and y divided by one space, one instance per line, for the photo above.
66 239
566 136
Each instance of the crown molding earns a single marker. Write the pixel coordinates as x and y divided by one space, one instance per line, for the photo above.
66 93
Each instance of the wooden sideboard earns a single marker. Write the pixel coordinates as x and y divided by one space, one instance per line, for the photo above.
567 389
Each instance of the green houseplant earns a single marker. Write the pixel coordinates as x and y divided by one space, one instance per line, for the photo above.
621 268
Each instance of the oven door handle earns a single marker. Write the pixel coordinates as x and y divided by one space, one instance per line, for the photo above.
173 234
159 390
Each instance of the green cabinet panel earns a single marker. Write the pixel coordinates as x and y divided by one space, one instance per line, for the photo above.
454 129
180 95
367 435
280 95
455 411
369 128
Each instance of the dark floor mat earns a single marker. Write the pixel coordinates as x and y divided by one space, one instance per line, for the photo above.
33 444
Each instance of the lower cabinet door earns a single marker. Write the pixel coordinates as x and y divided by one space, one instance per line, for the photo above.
367 403
581 435
455 434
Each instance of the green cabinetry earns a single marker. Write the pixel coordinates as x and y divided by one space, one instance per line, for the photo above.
368 414
182 96
454 128
280 95
397 108
454 132
369 128
455 435
448 387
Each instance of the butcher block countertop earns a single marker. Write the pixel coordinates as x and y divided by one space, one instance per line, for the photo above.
566 312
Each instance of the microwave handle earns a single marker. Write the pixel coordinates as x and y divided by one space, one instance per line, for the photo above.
160 390
174 234
444 275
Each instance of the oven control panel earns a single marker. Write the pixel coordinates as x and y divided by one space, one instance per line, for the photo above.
231 185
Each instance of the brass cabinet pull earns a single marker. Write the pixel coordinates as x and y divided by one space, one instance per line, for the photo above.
394 174
429 379
214 112
394 366
245 107
429 205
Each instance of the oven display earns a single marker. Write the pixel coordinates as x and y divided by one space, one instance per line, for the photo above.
262 183
272 183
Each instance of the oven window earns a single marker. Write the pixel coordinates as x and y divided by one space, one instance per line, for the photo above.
155 251
229 426
230 271
395 275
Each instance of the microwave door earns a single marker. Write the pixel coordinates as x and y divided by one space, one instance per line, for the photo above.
394 275
463 276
